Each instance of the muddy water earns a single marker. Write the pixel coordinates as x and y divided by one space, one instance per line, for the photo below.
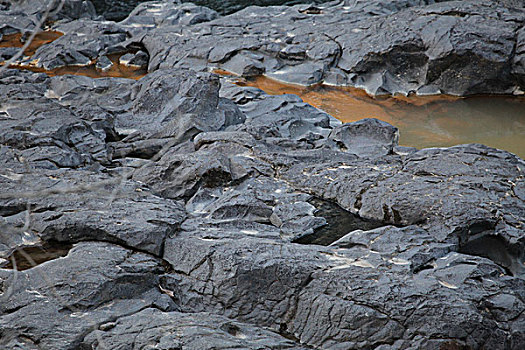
432 121
116 71
18 40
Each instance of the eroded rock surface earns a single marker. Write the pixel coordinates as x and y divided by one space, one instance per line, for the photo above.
119 9
24 16
435 259
184 202
386 47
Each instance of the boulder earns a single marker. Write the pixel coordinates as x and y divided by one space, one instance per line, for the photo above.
366 137
111 282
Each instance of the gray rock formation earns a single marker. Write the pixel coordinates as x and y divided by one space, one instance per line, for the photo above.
174 330
181 211
25 15
222 208
119 9
385 47
53 309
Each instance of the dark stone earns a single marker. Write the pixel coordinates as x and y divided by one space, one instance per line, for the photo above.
104 63
303 74
150 15
366 138
217 180
134 217
175 330
384 47
244 65
111 282
285 116
173 204
84 41
119 9
170 103
139 59
303 298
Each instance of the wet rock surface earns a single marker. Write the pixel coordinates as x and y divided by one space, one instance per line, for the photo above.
191 213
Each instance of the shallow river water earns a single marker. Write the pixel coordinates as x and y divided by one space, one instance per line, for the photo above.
430 121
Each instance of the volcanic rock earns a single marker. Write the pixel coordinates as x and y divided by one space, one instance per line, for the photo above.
384 47
188 212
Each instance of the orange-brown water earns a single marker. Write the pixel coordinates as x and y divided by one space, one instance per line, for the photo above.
432 121
423 121
18 40
116 70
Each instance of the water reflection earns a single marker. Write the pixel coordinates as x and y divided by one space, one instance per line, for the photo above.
431 121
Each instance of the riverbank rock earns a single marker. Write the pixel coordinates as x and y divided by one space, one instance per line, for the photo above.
422 250
152 327
181 211
117 10
118 282
25 15
457 47
401 47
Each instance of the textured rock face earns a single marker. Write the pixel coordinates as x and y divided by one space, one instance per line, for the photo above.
386 47
24 15
175 330
119 9
182 202
204 224
52 309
